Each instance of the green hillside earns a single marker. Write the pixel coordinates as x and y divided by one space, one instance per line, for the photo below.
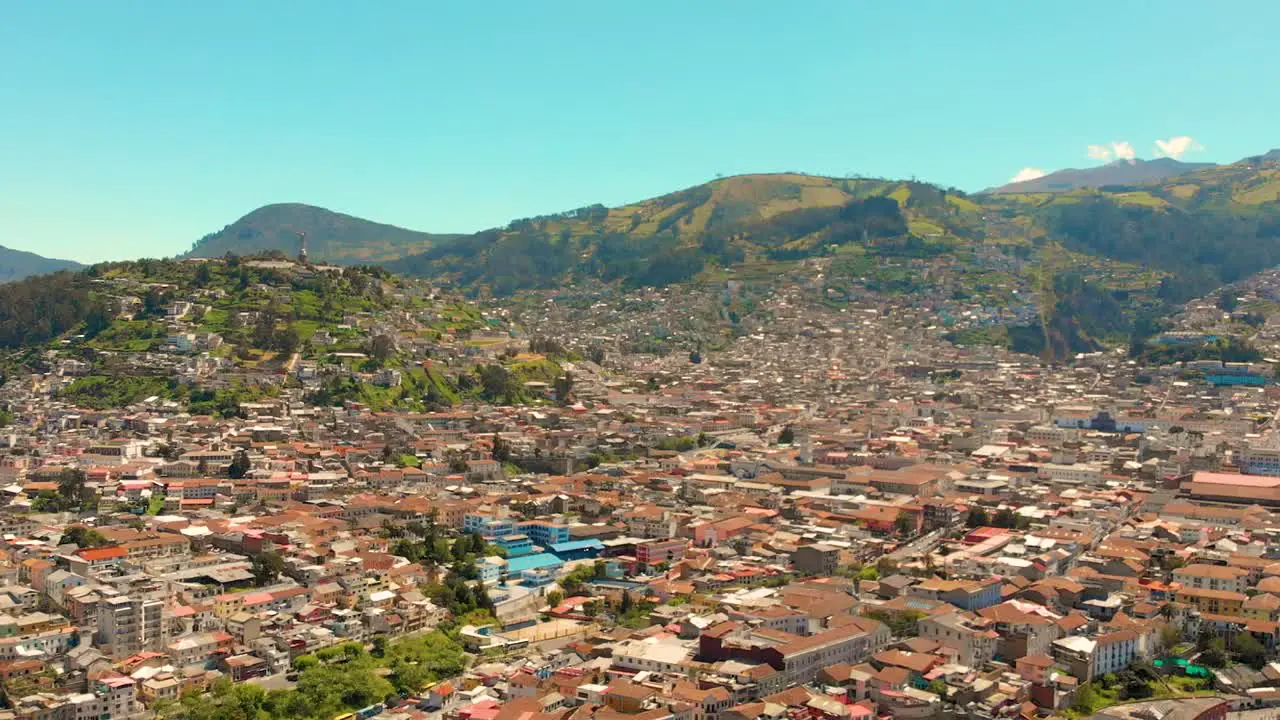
725 223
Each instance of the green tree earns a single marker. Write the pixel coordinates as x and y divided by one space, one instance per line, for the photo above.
495 383
787 436
266 568
1005 518
564 386
240 465
977 518
83 537
904 524
1248 650
382 348
286 341
1215 654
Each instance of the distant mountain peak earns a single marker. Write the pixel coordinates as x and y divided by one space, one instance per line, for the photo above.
1125 171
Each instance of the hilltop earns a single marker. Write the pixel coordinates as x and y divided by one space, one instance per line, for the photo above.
332 237
18 264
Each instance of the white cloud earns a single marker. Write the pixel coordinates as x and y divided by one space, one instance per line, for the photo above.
1176 147
1028 173
1120 150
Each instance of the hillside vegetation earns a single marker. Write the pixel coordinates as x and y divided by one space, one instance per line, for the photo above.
724 223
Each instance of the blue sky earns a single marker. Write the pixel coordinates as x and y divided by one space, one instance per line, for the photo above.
131 128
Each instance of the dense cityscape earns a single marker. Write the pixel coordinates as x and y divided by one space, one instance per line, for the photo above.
271 486
639 360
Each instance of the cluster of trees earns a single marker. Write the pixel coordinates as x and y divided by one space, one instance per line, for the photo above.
576 580
901 624
115 391
83 537
1003 518
333 681
1078 315
563 386
38 309
463 600
423 543
1243 647
270 334
594 213
266 568
682 443
72 495
498 384
222 402
240 465
549 347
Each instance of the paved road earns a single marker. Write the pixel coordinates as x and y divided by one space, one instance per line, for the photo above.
917 547
274 682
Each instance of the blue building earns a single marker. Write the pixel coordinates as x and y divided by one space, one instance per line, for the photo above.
487 526
515 545
491 569
577 549
1252 380
538 577
545 533
537 566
